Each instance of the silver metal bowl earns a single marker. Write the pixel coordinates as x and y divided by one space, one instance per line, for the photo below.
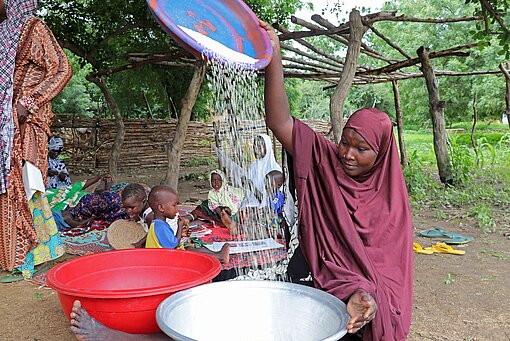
252 311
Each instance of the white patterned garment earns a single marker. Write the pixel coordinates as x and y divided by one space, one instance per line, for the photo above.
10 30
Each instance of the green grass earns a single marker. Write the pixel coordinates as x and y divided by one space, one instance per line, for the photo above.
482 178
200 161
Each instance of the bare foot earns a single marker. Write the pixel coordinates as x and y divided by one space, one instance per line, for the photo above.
226 220
224 253
85 328
233 229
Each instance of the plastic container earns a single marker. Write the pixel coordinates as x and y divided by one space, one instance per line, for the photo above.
224 30
122 289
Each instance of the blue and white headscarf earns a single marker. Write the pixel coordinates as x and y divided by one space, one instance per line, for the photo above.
56 144
18 11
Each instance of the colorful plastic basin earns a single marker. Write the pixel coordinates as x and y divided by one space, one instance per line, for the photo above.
122 289
224 30
253 311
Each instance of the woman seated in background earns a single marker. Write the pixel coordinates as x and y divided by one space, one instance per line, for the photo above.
100 208
60 198
58 176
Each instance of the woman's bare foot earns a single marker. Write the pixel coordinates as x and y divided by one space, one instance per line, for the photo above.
224 253
85 328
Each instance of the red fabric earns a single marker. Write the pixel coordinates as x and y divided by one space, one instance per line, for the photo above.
357 235
246 259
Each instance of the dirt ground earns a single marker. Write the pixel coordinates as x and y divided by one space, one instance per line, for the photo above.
455 297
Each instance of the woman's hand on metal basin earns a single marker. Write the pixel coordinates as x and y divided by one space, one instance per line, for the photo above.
362 308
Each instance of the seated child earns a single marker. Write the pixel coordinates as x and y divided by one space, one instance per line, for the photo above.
223 202
138 207
274 184
163 201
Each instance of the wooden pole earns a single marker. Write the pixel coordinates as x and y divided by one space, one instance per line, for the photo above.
436 109
400 126
174 148
336 105
475 118
113 162
507 92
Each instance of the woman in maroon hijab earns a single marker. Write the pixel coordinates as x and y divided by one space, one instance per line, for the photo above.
355 226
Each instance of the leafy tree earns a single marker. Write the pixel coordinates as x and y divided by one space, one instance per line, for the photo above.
102 33
79 97
494 25
457 92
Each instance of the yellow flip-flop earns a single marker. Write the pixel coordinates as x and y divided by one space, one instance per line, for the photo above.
418 249
445 248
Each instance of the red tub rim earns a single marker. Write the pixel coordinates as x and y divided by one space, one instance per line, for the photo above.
62 288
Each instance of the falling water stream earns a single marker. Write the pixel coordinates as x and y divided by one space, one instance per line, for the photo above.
238 105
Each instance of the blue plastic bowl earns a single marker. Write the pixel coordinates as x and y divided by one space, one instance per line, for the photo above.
226 31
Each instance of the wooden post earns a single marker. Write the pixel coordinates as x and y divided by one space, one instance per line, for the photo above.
475 118
436 109
507 92
400 126
336 104
174 148
150 116
113 162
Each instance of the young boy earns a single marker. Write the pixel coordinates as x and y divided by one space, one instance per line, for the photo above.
138 207
164 201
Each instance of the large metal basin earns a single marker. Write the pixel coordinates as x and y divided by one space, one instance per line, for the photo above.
252 311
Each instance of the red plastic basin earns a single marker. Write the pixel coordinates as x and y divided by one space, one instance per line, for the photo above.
122 289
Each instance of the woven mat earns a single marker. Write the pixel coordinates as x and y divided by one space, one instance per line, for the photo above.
88 243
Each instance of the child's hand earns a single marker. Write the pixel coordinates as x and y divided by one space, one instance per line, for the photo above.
183 221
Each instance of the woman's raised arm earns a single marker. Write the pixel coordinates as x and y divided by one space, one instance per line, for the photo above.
278 117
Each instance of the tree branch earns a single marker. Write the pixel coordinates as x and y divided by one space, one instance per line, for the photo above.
122 30
389 42
485 4
410 62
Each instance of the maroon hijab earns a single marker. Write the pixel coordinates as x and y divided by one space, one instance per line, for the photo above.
357 235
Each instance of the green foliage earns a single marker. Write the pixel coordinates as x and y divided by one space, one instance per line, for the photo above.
495 24
477 182
102 33
465 139
456 92
80 96
484 151
485 221
200 161
309 100
275 10
416 178
462 160
449 279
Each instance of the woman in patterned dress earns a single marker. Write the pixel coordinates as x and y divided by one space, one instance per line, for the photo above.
33 70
